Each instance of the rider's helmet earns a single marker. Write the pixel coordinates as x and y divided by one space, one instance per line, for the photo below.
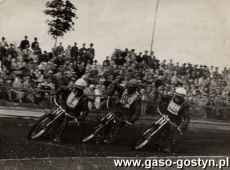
132 86
133 83
180 91
80 84
179 95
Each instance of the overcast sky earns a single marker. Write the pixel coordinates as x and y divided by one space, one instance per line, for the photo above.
196 31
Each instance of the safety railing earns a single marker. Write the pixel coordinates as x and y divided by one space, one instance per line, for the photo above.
221 113
40 98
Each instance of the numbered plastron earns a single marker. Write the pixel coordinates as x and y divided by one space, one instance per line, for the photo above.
72 100
173 107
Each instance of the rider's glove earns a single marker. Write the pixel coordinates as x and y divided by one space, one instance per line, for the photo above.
179 129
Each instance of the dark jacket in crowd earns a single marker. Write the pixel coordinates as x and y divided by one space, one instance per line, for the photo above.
23 44
34 44
74 53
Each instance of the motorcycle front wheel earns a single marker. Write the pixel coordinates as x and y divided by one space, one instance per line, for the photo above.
149 134
108 134
90 135
40 127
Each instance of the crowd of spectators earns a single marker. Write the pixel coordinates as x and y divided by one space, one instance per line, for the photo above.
28 74
33 74
205 85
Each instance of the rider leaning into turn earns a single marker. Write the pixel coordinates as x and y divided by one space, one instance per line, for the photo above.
128 104
76 104
177 108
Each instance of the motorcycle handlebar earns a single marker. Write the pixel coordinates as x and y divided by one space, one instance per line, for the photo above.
55 102
107 105
75 119
177 127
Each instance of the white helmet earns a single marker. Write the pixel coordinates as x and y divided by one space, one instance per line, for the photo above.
80 83
181 91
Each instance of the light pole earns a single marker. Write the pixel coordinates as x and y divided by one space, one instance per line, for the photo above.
154 25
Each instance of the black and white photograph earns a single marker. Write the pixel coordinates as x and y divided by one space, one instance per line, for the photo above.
114 84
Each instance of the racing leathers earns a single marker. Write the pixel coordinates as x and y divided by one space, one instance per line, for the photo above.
178 113
76 105
126 106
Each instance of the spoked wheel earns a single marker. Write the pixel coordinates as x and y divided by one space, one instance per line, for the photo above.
113 131
92 133
146 136
40 127
108 134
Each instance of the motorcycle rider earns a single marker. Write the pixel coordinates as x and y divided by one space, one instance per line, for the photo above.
177 108
127 104
76 104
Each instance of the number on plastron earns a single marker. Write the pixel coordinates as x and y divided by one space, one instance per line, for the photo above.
173 107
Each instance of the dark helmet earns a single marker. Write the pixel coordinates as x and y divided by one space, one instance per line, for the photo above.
133 83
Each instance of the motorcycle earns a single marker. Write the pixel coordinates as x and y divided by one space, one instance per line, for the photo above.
48 122
110 123
154 132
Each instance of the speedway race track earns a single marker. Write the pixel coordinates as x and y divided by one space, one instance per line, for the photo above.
15 145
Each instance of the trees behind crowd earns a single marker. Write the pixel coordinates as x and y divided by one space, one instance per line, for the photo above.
61 16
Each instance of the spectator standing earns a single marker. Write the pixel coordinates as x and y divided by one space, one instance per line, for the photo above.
163 64
115 56
25 43
34 43
4 42
106 62
59 50
154 63
68 53
139 58
132 55
2 51
82 50
74 52
170 65
91 50
146 57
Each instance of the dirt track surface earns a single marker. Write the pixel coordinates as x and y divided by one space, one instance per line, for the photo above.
15 145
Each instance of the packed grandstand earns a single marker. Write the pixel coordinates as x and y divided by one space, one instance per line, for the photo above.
30 75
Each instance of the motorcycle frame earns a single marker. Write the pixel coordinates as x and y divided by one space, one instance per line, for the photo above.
164 120
59 112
